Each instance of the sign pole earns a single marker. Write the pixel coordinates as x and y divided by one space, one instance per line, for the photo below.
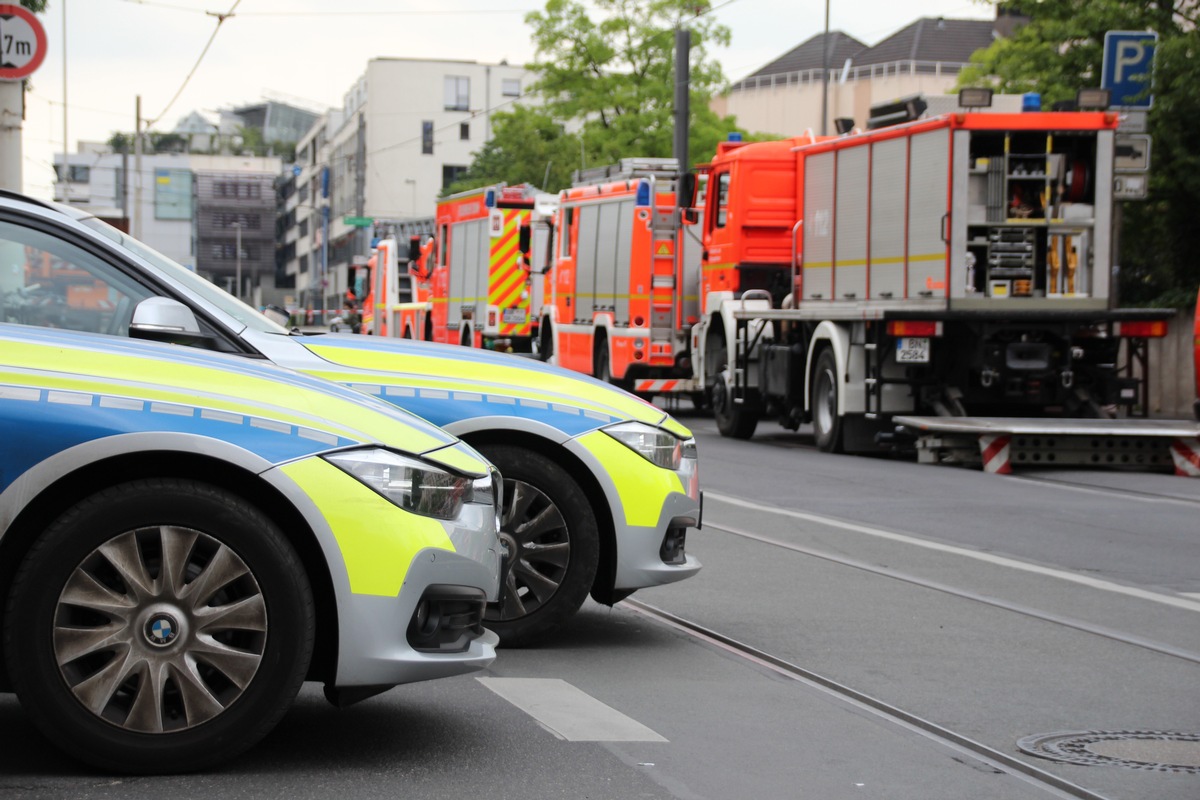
24 48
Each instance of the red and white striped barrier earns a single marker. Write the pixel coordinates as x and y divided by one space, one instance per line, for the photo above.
649 385
996 451
1186 453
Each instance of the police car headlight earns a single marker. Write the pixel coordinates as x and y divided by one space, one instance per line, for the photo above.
414 485
653 444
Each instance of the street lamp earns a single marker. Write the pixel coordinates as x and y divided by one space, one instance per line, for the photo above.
237 227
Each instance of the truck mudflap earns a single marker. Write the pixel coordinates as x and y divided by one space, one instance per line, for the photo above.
996 444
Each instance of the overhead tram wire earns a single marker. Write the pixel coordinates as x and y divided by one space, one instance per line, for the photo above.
221 19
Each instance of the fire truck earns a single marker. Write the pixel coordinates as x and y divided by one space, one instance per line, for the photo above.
954 265
396 288
622 295
481 284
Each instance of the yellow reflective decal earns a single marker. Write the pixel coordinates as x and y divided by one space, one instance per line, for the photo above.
676 428
227 390
378 541
643 487
458 458
422 371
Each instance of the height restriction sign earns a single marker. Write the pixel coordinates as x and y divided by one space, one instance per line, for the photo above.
22 42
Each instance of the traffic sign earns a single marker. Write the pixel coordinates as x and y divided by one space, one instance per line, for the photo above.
359 222
1132 152
1128 68
22 42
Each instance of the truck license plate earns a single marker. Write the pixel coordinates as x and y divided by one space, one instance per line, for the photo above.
514 315
912 350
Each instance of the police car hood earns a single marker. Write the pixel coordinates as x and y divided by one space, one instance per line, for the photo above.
455 369
210 385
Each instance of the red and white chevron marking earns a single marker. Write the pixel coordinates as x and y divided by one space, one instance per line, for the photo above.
1186 453
657 385
995 450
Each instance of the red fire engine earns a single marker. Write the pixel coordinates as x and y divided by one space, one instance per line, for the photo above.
959 264
622 294
481 284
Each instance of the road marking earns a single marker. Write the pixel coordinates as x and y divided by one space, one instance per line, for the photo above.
568 712
1011 563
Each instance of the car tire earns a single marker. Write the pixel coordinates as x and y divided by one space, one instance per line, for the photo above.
159 626
553 543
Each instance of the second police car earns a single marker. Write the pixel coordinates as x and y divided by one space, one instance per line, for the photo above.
185 537
600 486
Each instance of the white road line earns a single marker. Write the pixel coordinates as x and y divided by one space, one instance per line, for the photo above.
568 712
1011 563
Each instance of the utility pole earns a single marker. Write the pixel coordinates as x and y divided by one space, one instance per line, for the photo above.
683 73
137 170
237 227
825 75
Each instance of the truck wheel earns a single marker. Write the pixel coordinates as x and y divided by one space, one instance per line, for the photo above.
827 425
735 420
546 343
159 626
553 542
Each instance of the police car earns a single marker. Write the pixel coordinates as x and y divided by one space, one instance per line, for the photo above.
601 487
185 537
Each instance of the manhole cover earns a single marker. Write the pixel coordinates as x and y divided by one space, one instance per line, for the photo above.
1158 751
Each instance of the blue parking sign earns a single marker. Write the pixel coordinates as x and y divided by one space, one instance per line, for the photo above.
1129 67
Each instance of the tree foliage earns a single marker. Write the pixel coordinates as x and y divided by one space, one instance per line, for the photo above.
1060 51
36 6
606 84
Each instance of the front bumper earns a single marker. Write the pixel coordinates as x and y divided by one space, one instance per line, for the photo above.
377 646
655 555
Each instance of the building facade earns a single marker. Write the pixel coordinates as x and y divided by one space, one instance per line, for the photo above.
925 57
406 129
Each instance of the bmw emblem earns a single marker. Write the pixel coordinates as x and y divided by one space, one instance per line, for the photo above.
161 630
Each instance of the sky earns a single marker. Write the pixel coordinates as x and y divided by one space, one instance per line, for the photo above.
309 52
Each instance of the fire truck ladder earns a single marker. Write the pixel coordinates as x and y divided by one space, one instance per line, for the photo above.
664 234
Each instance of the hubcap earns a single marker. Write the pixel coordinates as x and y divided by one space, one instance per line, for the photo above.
535 534
162 630
159 629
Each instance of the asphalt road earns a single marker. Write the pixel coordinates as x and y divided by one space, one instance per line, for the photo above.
989 608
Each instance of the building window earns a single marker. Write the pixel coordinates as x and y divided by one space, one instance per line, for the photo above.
451 173
226 219
76 173
510 87
458 93
427 138
237 189
228 251
304 227
303 264
464 131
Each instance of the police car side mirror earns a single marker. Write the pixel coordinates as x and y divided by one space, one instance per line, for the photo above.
162 319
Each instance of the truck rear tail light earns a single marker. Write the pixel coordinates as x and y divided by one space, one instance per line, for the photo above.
912 328
1151 329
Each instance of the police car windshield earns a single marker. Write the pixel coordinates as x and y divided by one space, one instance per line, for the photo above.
195 284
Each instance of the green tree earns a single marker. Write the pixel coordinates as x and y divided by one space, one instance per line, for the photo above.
607 91
36 6
1060 51
616 74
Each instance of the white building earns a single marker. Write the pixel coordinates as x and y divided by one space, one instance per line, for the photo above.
407 129
158 203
